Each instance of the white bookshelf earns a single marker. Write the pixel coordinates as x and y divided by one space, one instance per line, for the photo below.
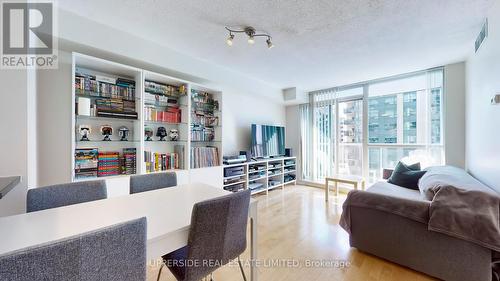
136 139
269 173
168 146
196 111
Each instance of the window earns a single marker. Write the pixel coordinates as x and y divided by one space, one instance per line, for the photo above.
350 144
332 138
403 120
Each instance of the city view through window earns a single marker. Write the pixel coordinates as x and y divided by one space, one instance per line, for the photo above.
403 122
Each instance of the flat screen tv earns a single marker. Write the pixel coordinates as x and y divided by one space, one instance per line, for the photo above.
268 141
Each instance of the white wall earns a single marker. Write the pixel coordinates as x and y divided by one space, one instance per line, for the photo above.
54 122
454 114
17 142
482 118
245 100
292 136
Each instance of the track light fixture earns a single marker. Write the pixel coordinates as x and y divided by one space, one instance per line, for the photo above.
251 33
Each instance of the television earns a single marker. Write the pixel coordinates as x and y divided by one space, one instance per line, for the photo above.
268 141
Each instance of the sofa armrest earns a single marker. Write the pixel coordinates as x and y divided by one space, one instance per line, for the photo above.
387 173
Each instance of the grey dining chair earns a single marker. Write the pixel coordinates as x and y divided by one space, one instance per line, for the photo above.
142 183
217 234
116 252
54 196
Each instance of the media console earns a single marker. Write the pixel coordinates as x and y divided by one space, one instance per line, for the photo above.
261 175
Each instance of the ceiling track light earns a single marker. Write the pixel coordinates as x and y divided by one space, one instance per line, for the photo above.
251 33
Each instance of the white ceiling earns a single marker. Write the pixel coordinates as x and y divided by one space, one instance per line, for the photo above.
319 43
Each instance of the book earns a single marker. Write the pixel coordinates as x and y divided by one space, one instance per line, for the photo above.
83 107
105 79
86 162
156 162
204 156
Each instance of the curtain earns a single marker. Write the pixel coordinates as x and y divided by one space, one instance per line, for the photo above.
306 141
318 135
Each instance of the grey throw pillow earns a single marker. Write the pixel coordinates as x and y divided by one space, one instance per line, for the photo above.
406 175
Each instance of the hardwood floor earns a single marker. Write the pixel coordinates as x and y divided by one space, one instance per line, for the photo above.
295 226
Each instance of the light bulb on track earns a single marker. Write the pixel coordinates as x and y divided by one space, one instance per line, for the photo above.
270 44
229 40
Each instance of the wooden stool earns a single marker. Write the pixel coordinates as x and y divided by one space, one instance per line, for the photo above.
342 179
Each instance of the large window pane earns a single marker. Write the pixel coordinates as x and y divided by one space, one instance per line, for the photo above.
382 119
436 111
410 117
350 153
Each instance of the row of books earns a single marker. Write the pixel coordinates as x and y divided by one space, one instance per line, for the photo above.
129 164
204 120
116 105
109 164
164 89
86 162
202 133
102 86
160 100
156 162
205 108
91 163
204 101
204 156
171 115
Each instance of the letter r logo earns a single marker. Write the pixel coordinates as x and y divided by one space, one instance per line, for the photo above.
27 28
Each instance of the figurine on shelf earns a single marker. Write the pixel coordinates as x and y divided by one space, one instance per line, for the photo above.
84 131
162 133
123 132
148 133
210 136
173 135
107 132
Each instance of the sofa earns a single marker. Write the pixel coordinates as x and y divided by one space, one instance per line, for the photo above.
400 233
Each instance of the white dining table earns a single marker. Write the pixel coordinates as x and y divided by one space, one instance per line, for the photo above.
168 213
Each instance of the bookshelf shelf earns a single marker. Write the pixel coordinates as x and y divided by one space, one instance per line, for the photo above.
94 95
234 183
205 141
166 141
165 123
256 179
102 118
103 141
159 104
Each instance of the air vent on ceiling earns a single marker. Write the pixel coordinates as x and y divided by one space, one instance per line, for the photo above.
482 35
